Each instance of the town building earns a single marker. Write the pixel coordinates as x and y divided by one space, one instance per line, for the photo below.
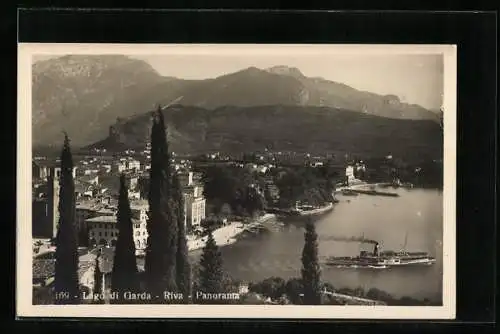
350 177
316 164
119 167
103 230
349 173
89 209
39 171
134 194
53 204
106 168
132 180
133 165
44 271
90 179
194 201
271 189
139 216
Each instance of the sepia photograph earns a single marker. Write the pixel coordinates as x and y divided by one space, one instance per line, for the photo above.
284 181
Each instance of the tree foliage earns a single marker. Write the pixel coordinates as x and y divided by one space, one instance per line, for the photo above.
183 267
124 275
235 186
160 262
272 287
210 274
311 273
66 267
308 185
97 280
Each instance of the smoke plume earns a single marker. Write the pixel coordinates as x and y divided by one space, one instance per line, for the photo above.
350 239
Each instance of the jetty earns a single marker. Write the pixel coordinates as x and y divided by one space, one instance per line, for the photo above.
301 211
365 189
374 192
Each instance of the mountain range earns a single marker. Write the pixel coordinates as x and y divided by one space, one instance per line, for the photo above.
280 128
99 97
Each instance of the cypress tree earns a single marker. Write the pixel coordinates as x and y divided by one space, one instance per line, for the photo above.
210 271
66 285
124 274
310 268
183 268
97 281
161 250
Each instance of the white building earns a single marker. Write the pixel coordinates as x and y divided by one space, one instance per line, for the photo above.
194 202
139 219
133 165
349 173
134 194
90 171
194 206
119 166
351 179
317 164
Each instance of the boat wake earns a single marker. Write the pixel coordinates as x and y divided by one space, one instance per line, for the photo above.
355 266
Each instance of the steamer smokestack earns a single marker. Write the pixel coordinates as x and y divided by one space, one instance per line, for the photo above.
375 249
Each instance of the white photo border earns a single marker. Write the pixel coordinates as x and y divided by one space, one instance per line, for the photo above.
24 306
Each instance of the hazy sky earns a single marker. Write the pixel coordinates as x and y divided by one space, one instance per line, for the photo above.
414 78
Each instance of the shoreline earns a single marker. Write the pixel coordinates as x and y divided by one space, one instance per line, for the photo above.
226 235
304 213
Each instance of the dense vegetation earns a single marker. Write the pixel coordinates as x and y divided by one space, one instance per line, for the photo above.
160 262
233 186
311 272
313 186
125 274
423 173
183 267
284 128
291 292
246 192
66 267
210 272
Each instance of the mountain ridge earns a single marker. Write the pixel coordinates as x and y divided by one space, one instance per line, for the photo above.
281 128
84 95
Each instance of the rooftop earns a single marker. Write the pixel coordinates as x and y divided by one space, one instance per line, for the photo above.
87 178
45 163
102 219
107 219
89 205
43 269
106 211
139 204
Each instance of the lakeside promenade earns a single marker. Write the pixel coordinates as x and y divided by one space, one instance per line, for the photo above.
226 235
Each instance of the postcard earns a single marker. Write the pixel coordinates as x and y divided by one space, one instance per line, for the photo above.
236 181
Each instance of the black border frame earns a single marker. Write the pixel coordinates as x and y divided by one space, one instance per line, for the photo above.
473 32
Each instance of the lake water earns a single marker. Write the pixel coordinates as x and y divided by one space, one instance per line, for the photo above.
416 213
